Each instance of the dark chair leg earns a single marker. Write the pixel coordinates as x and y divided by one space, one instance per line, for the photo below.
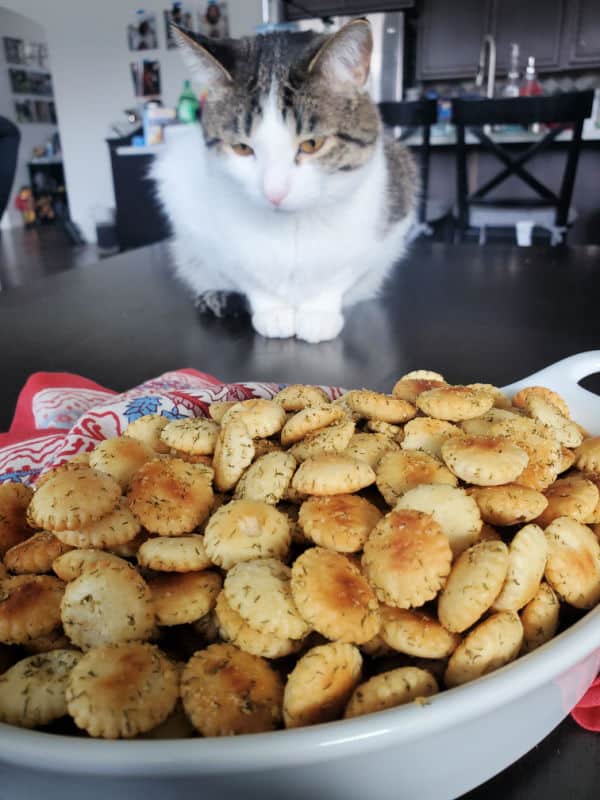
460 233
450 228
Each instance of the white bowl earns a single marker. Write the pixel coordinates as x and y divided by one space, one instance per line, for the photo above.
458 740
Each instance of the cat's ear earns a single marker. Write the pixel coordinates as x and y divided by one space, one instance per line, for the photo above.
205 59
345 58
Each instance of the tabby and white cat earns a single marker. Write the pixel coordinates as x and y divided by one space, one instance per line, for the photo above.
286 192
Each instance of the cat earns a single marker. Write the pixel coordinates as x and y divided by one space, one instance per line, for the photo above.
286 191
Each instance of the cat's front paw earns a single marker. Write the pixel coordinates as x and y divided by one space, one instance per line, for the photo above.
318 326
278 322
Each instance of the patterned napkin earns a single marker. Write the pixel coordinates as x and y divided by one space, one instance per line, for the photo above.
59 415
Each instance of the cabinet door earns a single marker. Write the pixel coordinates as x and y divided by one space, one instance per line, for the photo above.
450 36
316 8
582 34
535 25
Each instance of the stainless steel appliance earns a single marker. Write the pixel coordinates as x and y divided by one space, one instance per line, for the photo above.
385 83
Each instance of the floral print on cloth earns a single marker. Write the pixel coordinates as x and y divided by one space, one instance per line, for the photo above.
59 415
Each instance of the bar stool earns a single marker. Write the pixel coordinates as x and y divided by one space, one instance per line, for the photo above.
547 209
413 115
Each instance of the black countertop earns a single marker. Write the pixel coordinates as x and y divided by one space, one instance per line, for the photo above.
493 314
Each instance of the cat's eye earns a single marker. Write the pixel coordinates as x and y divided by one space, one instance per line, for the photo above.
311 146
242 149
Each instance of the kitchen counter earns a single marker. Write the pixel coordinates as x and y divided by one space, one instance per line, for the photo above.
591 133
140 150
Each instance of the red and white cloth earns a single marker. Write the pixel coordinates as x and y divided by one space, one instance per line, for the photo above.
59 415
587 711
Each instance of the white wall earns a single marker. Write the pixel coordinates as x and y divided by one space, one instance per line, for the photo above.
92 83
32 134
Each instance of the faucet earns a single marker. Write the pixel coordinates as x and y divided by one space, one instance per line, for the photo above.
488 42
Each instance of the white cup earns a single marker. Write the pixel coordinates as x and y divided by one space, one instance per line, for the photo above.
524 229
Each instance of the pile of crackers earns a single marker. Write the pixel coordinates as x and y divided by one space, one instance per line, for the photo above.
293 561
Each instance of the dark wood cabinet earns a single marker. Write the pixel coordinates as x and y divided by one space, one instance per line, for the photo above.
563 35
140 219
536 25
581 45
450 36
316 8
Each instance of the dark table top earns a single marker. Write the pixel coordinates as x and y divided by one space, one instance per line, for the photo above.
489 314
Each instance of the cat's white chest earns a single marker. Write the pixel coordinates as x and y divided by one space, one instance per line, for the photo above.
291 254
223 239
299 254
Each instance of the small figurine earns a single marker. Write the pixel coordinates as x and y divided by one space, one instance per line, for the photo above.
26 205
45 209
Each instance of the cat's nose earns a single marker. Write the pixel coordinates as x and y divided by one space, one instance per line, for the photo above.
276 197
276 187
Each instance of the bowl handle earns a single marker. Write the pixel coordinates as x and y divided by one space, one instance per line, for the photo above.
563 377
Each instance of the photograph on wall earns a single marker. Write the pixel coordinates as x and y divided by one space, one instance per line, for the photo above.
146 78
36 54
214 20
14 50
23 111
180 16
41 111
40 83
141 33
19 81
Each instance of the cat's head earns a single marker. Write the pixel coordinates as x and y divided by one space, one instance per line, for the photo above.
287 115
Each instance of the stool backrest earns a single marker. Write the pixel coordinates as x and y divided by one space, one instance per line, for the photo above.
562 111
414 114
565 107
409 113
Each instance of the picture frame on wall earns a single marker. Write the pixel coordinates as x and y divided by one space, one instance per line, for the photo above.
146 78
40 83
14 50
19 81
141 33
180 16
36 54
23 112
24 81
214 20
41 111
